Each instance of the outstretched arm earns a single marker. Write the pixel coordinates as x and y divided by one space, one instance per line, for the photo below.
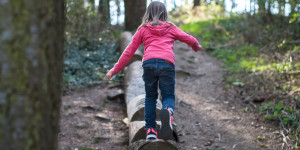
188 39
126 55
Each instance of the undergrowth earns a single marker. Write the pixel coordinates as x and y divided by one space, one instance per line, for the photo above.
262 56
85 63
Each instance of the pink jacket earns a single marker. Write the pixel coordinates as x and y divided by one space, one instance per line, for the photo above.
158 43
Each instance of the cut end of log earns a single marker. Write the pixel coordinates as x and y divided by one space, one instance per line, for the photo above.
137 131
153 144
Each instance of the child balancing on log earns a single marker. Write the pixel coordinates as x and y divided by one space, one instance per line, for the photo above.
158 37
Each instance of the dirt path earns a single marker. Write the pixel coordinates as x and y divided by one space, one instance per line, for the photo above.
207 117
80 128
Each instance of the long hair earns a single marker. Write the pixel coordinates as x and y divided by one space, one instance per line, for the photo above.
155 12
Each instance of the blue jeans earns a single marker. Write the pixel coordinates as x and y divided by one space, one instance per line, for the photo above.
162 73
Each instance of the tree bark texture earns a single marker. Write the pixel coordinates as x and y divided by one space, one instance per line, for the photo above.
31 54
104 10
136 108
124 40
137 136
261 6
134 12
92 4
196 3
135 102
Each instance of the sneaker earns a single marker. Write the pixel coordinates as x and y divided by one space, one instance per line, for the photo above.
166 129
151 134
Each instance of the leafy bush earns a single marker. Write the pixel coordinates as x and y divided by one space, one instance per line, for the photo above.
86 64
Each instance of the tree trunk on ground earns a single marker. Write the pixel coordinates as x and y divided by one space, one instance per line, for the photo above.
125 40
31 54
135 102
104 10
134 11
196 3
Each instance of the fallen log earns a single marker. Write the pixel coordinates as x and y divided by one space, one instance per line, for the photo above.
154 145
134 90
133 82
124 40
137 131
136 108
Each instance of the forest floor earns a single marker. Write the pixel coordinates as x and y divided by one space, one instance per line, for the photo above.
206 115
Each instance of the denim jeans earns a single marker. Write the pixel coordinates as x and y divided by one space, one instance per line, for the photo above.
158 73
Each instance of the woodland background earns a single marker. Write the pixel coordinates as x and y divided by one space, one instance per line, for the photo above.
54 47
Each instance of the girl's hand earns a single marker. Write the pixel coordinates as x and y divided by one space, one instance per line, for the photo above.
109 75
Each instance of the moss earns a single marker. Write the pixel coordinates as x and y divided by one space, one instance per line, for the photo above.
29 81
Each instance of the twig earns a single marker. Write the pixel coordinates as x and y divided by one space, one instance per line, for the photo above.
284 138
294 91
222 46
292 72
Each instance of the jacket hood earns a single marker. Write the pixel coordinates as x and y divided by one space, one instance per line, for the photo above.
159 30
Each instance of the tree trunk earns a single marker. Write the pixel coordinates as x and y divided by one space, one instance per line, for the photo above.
31 54
92 4
269 7
135 103
196 3
293 4
261 6
104 10
125 40
118 10
280 7
134 11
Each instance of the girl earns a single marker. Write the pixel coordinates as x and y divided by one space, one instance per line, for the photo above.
158 37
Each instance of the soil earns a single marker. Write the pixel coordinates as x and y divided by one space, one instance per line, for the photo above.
206 115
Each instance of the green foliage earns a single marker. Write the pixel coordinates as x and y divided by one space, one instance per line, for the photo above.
238 58
261 53
287 116
188 14
87 63
90 46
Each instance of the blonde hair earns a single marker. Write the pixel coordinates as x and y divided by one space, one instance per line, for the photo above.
156 11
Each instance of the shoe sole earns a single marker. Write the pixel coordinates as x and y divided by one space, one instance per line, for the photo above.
151 137
166 130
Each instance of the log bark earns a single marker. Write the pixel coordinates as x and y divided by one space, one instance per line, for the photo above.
135 101
137 131
136 108
153 145
31 63
124 40
133 82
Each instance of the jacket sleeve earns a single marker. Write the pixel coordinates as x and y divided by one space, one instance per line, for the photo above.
128 53
186 38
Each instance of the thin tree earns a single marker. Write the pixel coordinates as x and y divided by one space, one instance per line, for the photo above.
92 4
31 54
118 10
104 10
293 4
